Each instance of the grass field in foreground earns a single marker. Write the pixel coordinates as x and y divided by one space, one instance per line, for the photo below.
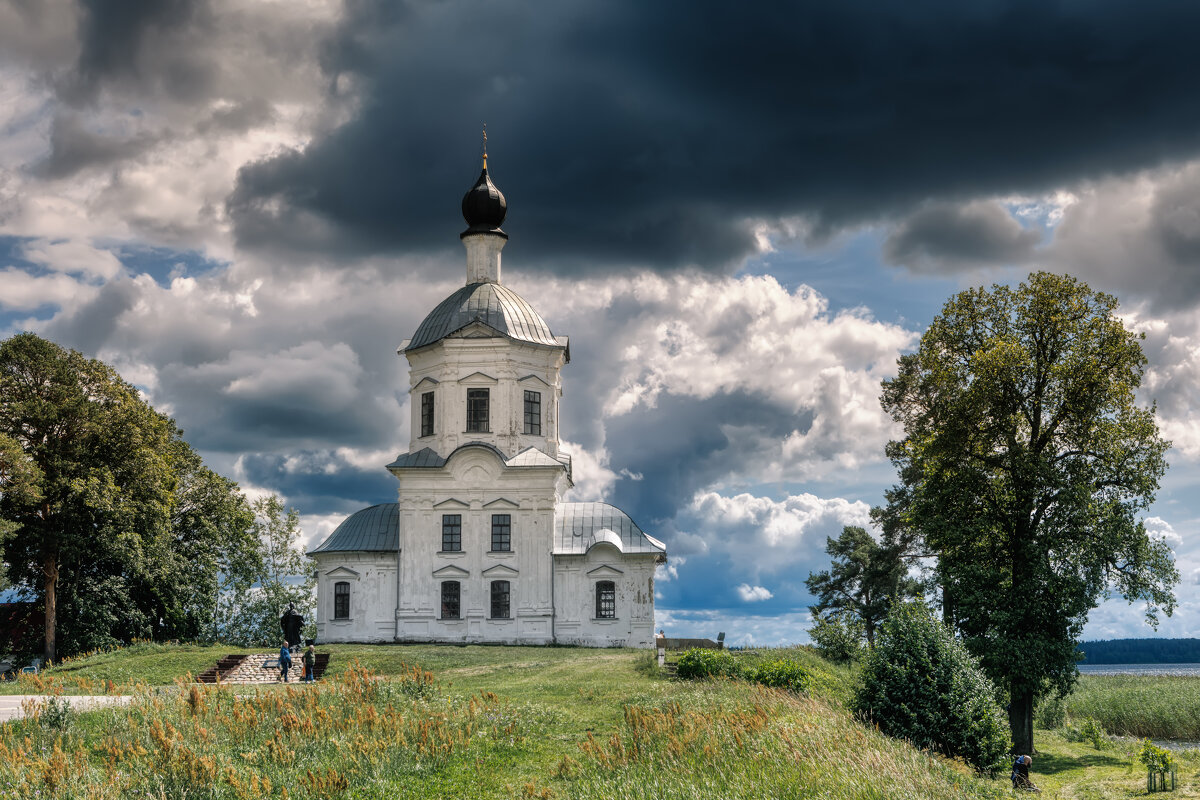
483 722
500 722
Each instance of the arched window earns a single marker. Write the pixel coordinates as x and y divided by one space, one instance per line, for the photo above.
341 600
606 600
500 596
451 600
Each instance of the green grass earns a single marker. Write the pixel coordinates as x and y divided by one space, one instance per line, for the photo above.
1150 706
502 722
515 722
147 663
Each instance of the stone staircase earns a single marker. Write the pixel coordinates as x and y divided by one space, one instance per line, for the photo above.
223 668
251 670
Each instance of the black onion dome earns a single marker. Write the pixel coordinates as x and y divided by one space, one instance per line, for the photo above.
484 207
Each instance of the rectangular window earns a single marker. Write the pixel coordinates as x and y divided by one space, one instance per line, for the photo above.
533 413
427 414
501 532
452 532
451 594
341 600
499 599
477 411
606 600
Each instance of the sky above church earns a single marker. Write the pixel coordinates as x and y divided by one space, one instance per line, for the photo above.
741 216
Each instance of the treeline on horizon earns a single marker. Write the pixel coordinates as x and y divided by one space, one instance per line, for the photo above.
1141 651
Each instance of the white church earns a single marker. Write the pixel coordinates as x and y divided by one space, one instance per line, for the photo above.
479 546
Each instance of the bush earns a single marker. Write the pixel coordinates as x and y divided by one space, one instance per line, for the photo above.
919 683
782 673
701 663
1156 759
1089 730
837 637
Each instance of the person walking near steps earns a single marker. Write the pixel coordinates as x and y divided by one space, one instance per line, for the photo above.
285 662
310 663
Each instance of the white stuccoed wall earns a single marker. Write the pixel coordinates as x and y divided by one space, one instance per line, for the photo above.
372 579
575 582
476 484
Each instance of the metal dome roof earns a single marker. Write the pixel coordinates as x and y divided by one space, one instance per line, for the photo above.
484 206
372 529
491 304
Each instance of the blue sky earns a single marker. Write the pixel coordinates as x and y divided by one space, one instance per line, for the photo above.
741 219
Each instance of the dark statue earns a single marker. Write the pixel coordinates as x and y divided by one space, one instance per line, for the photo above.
291 623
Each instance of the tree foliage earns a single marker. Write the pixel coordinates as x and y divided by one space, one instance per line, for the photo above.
864 580
1024 466
919 683
250 609
837 636
113 524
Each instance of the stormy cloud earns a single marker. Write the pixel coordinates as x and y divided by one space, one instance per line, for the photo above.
661 132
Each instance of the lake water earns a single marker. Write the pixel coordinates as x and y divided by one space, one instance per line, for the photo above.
1140 669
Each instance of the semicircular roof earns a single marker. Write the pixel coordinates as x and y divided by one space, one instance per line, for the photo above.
580 526
372 529
491 304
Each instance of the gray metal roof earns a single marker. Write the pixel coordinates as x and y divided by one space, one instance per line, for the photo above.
425 457
491 304
532 457
580 526
373 529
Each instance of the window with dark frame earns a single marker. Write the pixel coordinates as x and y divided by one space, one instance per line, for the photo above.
451 597
500 594
451 533
501 532
606 600
477 411
341 600
427 414
533 413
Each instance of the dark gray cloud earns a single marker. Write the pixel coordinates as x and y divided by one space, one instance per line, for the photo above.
944 238
73 147
685 444
652 133
114 35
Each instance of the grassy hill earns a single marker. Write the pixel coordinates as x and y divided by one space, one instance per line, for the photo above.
488 722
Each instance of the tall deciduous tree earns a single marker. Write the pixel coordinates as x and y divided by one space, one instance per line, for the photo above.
865 579
1023 470
104 460
250 611
120 531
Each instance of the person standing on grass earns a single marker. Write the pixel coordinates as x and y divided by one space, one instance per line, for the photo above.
285 662
310 662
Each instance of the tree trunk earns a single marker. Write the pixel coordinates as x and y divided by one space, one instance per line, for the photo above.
1020 721
869 629
50 571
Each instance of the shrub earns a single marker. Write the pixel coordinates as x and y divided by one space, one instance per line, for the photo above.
782 673
1156 759
919 683
702 663
837 637
1089 730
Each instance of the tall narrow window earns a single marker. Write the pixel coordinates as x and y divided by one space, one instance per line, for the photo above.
477 411
341 600
451 595
452 532
500 599
427 414
606 600
533 413
501 532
